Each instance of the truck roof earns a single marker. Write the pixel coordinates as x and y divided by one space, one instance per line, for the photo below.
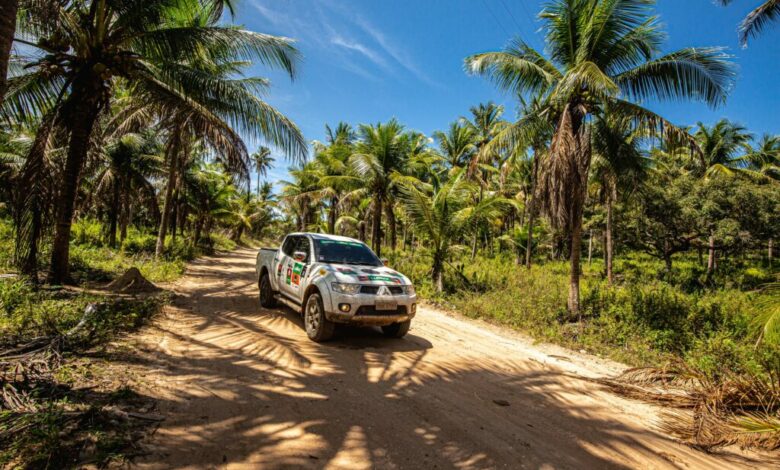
325 236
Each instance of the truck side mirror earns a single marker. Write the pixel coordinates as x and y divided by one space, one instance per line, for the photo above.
299 256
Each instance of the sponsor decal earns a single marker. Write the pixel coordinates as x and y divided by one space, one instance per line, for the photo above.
279 269
362 278
380 278
323 272
369 271
289 274
296 274
347 271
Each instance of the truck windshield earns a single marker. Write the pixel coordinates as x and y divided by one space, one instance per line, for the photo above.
344 252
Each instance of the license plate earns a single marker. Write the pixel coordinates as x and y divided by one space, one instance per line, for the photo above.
386 305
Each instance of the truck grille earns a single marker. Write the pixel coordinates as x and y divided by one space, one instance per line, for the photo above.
372 290
371 310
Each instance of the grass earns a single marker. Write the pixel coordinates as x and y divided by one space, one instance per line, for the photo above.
73 389
644 320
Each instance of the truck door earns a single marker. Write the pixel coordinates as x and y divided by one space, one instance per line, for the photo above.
295 268
280 262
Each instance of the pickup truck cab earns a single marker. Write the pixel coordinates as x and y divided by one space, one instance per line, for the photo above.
332 279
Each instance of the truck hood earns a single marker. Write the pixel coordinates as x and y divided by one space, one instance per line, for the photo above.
369 275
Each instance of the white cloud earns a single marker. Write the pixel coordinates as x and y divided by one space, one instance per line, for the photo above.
336 31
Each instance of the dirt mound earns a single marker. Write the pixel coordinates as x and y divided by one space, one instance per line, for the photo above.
132 282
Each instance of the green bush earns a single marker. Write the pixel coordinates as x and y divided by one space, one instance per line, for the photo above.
137 242
87 232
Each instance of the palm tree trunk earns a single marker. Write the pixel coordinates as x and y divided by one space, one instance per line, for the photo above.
474 245
173 157
84 106
29 202
530 239
391 223
124 219
113 214
376 226
770 251
574 269
7 31
608 241
174 213
437 271
333 214
590 248
711 257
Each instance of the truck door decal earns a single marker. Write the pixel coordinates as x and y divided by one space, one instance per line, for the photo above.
296 275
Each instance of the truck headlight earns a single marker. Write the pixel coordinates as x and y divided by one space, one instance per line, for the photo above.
410 289
342 288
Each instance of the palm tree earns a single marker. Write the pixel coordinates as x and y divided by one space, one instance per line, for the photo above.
443 211
458 144
725 149
303 194
156 47
7 30
618 163
378 162
130 161
764 157
263 162
756 20
601 53
332 164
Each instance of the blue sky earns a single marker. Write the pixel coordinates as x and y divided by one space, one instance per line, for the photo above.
368 61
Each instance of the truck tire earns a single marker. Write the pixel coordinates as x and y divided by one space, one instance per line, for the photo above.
397 330
267 299
318 328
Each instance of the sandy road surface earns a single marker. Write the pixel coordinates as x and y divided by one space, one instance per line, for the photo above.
242 387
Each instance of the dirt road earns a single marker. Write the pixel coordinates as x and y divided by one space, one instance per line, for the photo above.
242 387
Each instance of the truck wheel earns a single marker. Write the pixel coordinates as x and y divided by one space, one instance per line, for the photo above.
267 299
397 330
318 328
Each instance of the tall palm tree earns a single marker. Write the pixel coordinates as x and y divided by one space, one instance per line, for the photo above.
7 30
757 20
618 163
332 162
156 47
601 53
303 194
458 144
129 163
263 162
379 162
443 211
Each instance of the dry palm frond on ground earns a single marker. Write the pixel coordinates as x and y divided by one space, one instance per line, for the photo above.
709 412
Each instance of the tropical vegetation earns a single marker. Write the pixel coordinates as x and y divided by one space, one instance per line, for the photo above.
584 218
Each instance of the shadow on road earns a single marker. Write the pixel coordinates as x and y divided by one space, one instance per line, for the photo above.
243 386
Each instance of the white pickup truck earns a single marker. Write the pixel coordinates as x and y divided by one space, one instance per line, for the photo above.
332 279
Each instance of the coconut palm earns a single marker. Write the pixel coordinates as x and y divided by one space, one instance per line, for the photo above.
157 47
619 163
758 19
130 162
443 211
725 147
332 164
458 144
601 53
263 162
7 30
379 162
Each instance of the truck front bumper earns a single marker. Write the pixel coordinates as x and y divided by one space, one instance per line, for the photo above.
360 309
